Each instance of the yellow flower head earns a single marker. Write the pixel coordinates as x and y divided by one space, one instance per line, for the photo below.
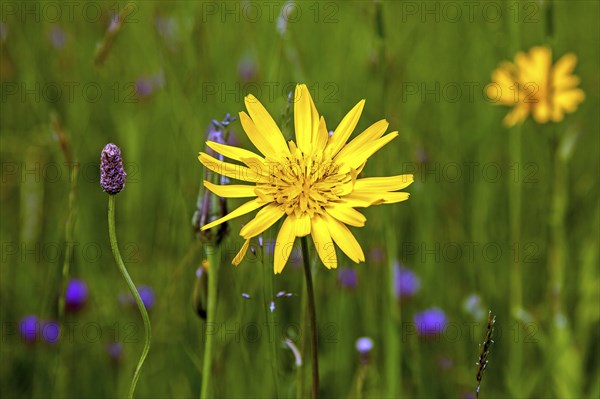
533 85
313 182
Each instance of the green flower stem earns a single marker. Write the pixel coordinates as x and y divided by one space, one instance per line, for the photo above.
516 278
557 251
393 324
312 314
270 319
69 226
213 255
132 289
515 376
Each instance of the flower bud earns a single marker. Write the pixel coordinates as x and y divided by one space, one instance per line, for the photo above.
112 174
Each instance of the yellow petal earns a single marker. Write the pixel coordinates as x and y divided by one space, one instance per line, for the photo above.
344 129
322 135
391 183
347 215
375 198
284 243
569 100
231 190
241 210
323 242
357 157
233 171
541 111
257 137
564 66
240 255
264 219
304 113
517 115
234 153
302 225
344 239
266 125
372 133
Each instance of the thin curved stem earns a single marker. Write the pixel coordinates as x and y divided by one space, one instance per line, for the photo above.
312 315
132 289
213 254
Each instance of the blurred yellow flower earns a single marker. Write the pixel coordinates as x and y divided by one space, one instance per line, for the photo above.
533 85
313 182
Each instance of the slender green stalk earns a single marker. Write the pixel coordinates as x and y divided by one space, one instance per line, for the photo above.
132 288
213 254
557 254
300 374
515 376
270 319
393 323
60 371
312 315
516 277
69 225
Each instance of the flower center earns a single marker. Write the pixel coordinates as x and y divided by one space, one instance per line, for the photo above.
305 183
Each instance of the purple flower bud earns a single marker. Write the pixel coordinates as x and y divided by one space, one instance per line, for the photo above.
58 37
29 328
112 174
246 296
430 322
247 70
347 277
50 331
377 255
406 282
364 345
115 351
76 295
143 87
147 295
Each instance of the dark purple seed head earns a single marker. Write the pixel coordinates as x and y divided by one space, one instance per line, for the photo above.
76 295
112 174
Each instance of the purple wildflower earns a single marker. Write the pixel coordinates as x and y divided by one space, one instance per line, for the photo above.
364 345
147 295
347 277
430 322
76 295
115 351
29 328
406 282
58 37
247 70
377 255
112 174
50 331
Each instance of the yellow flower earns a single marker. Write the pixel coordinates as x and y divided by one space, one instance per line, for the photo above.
311 182
533 85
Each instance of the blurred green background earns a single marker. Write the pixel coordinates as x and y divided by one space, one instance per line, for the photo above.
493 212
